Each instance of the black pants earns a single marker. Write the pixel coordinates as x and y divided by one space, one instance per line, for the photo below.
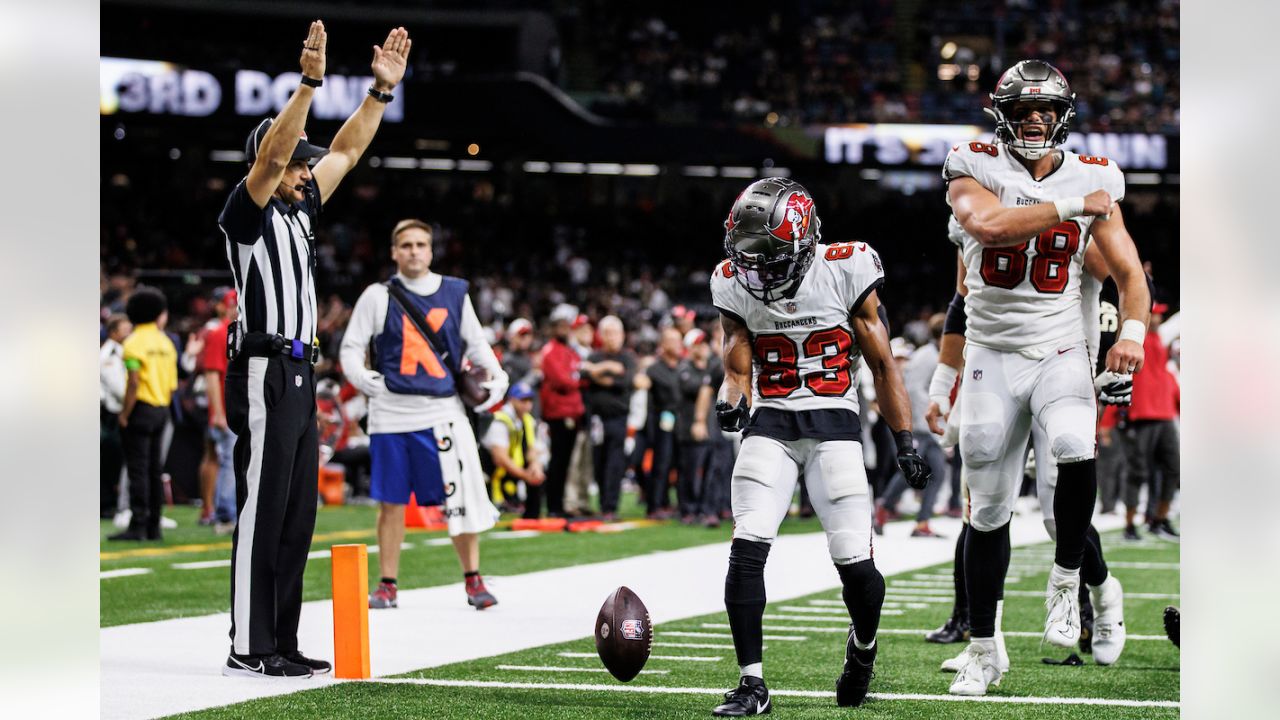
271 406
142 455
609 460
563 434
110 460
691 486
1153 446
664 458
719 472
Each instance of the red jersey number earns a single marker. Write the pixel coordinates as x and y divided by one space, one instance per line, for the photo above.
1005 267
779 359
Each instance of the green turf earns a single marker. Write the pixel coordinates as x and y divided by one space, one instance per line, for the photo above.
167 592
1148 670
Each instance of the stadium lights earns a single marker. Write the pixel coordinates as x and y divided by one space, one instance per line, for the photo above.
1142 178
436 164
641 170
475 165
604 169
948 71
569 168
537 166
737 172
226 156
948 50
700 171
775 172
400 163
871 174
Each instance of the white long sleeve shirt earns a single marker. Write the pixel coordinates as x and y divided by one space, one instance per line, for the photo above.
112 377
400 413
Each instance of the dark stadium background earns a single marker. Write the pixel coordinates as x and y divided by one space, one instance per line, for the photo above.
532 81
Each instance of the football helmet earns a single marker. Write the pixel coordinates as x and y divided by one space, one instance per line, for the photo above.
770 236
1032 81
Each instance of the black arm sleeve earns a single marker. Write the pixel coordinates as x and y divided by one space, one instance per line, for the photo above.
956 317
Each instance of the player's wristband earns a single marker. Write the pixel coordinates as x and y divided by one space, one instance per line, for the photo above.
1070 207
1134 330
944 378
312 82
380 96
904 441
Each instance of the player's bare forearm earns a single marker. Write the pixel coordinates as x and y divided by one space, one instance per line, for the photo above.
990 223
130 397
737 362
951 350
213 385
873 338
1121 257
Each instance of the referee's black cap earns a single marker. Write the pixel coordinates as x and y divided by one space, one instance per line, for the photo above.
303 151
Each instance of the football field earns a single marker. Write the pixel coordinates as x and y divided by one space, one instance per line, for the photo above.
692 660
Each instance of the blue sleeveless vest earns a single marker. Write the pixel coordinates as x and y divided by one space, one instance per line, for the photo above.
404 356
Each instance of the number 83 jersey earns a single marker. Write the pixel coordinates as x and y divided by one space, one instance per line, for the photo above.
804 356
1026 297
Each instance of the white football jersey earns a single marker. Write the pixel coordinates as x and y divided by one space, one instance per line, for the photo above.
1024 298
804 353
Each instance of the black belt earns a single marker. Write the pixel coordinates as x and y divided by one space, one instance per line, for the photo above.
264 345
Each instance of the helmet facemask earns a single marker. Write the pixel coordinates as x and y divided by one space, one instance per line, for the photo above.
770 278
1009 130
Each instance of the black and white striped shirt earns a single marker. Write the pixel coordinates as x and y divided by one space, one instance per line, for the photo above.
272 255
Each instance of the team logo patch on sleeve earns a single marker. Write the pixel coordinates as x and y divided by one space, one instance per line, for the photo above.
633 629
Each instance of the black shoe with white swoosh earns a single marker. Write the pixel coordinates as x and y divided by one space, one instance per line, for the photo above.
318 667
263 666
751 697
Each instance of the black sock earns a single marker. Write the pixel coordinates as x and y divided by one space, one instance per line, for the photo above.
863 594
960 610
1073 509
388 581
1094 569
986 563
474 573
744 598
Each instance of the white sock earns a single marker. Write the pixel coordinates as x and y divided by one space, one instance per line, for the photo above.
863 646
752 670
999 615
1060 576
989 644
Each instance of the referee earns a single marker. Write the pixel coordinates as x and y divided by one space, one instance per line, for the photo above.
269 221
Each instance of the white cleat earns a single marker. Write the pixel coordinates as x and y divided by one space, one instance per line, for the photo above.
1062 625
978 674
1002 658
1108 622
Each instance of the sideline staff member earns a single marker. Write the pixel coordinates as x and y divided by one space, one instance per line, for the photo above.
270 221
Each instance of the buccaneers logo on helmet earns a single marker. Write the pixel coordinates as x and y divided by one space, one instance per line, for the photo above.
794 224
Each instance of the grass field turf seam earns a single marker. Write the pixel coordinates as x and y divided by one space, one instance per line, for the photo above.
908 682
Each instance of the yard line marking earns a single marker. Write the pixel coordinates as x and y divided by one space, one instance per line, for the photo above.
824 610
819 618
922 583
948 591
202 565
552 668
681 658
701 646
122 572
907 605
686 633
920 598
901 631
1028 700
1145 565
512 534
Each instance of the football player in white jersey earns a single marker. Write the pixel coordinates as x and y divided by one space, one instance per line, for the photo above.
796 317
1108 596
1030 209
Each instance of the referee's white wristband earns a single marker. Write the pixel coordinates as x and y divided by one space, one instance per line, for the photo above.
1134 330
1070 207
944 378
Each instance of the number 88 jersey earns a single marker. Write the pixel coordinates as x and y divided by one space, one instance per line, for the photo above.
1026 297
804 356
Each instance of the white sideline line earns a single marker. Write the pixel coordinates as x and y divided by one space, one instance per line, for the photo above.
900 631
1145 565
948 591
511 534
1128 595
684 633
781 693
919 598
122 572
679 658
921 583
313 555
819 618
552 668
822 610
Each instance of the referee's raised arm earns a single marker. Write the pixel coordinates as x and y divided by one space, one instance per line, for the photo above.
389 62
276 144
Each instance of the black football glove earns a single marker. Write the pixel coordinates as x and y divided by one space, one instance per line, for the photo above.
913 467
1114 388
732 418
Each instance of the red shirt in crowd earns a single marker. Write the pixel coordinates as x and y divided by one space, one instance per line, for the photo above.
560 394
214 356
1155 390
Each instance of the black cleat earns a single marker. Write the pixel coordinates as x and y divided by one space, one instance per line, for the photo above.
852 685
1086 621
318 667
954 630
751 697
1173 625
263 666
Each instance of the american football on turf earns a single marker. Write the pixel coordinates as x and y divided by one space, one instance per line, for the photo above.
624 634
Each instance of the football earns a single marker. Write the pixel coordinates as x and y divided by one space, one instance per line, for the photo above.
624 634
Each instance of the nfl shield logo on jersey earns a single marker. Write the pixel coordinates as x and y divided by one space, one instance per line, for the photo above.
977 374
791 306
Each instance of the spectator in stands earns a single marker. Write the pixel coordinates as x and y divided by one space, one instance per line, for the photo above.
562 406
1153 433
152 362
213 364
664 404
581 473
692 430
512 441
610 380
112 380
517 360
917 370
